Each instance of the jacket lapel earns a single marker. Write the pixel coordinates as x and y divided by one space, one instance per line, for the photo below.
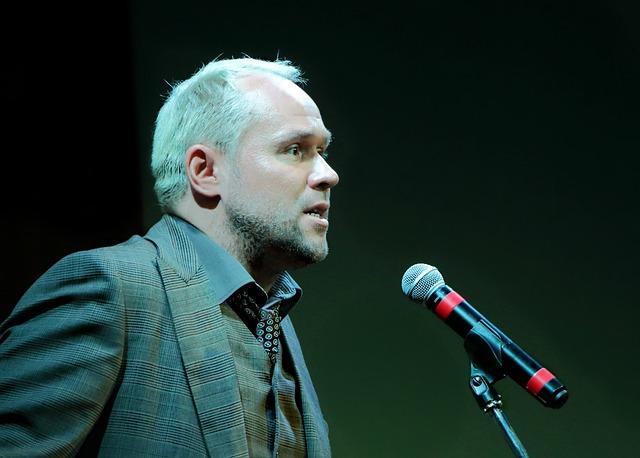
203 342
315 427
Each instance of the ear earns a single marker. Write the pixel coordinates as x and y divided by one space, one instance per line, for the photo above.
203 164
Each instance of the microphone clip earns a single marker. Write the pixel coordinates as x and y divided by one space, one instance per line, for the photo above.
484 347
481 384
483 392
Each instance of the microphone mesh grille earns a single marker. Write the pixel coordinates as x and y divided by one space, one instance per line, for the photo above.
419 281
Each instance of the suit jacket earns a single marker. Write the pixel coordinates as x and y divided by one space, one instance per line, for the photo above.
122 351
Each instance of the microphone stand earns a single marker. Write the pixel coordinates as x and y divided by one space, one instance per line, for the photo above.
483 347
490 401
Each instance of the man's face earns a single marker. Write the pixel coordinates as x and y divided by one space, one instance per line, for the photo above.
277 194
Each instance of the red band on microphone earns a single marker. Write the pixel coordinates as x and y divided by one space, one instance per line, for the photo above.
539 380
447 304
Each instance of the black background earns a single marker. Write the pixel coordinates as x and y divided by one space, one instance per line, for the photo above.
497 141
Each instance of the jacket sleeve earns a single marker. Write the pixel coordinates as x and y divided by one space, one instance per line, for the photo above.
61 351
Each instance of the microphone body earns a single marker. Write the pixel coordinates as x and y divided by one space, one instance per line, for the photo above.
489 348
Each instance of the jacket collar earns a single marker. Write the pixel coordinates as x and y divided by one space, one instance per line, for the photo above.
174 247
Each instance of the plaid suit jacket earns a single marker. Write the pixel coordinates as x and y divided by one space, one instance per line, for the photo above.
121 351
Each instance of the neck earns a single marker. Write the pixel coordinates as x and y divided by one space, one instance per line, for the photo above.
214 225
263 272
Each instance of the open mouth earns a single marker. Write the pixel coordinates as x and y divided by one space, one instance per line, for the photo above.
319 210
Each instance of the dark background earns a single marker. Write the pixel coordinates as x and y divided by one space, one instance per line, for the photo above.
497 141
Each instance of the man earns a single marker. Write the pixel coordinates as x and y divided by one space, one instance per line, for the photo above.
179 343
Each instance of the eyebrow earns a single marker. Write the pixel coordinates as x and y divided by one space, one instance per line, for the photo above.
305 134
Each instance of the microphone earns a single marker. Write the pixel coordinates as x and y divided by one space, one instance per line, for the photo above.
424 284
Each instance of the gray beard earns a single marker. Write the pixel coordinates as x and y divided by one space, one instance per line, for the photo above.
257 237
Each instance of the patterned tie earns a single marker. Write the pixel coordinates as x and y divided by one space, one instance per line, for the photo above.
265 321
268 330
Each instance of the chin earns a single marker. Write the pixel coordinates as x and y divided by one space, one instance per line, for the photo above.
308 253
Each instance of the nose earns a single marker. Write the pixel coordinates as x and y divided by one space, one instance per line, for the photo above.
322 177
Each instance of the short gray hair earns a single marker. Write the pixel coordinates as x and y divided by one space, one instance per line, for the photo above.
207 108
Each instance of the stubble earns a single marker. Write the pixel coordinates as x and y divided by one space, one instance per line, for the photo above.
258 237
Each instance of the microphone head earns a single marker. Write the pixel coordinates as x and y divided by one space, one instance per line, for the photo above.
420 281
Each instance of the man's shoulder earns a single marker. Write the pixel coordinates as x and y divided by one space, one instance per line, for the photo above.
97 279
126 266
135 250
133 257
142 250
136 257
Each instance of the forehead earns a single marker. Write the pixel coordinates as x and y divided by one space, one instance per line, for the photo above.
278 94
283 107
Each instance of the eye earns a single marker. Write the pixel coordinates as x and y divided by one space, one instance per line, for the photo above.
294 150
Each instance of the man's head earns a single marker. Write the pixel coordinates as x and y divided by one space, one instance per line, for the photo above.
266 179
207 108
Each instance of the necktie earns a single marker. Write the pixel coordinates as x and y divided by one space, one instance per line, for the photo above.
268 330
264 321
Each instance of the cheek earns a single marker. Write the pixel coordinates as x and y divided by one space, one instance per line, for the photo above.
271 181
274 181
275 200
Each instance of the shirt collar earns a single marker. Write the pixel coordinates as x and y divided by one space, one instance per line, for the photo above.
228 277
